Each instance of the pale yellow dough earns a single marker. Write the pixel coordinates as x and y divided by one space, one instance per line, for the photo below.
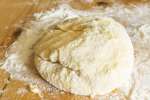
85 56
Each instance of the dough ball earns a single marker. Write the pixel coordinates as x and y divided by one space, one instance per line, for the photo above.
85 56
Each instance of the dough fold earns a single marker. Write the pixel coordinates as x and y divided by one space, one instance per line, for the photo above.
85 56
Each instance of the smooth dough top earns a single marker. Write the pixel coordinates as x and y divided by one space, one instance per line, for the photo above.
85 56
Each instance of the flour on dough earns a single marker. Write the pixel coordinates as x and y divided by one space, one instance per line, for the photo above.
85 56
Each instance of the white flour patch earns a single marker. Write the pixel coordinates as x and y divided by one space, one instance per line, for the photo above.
22 91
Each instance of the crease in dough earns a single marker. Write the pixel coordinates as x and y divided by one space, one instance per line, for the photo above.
92 56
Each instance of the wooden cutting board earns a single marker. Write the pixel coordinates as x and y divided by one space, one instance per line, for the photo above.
13 12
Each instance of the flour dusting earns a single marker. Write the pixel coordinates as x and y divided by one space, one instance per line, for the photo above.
135 18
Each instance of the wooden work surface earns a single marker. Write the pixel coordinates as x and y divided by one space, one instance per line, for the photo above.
13 13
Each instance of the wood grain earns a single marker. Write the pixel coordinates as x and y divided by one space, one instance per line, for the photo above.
15 12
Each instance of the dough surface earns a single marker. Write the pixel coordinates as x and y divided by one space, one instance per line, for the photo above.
85 56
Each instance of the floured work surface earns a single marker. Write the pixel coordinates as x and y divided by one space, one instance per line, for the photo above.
136 20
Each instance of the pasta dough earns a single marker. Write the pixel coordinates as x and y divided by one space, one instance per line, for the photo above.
85 56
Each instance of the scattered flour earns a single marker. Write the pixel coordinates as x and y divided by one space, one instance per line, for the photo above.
22 91
135 18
